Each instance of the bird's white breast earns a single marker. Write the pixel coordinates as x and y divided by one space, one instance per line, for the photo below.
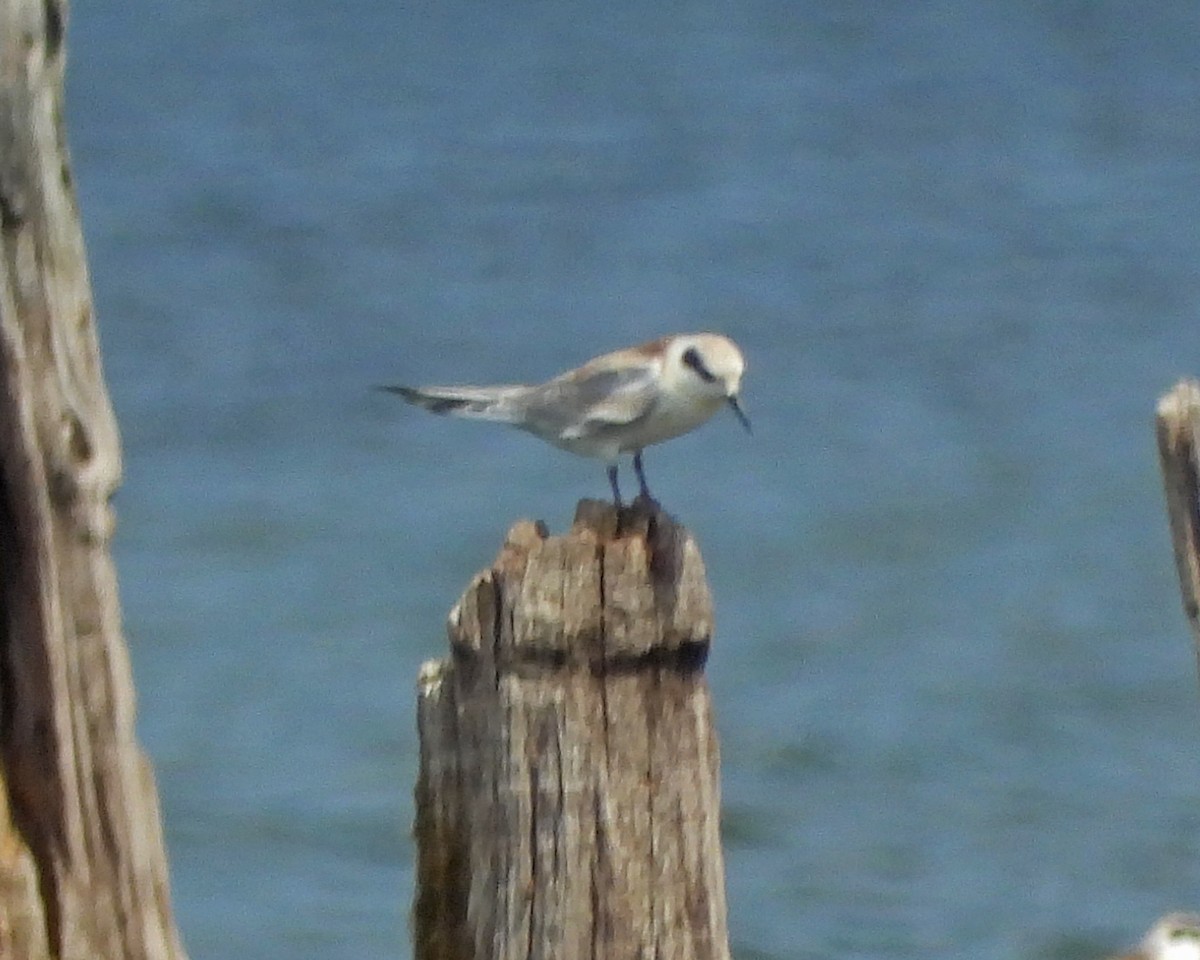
674 414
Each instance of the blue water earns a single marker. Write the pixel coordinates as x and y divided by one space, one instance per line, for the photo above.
957 697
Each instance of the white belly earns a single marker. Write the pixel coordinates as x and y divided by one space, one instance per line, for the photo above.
672 417
669 420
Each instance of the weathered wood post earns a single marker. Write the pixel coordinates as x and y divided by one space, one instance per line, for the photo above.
568 798
83 873
1178 428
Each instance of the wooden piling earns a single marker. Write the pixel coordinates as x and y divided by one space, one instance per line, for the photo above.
83 868
1178 428
568 798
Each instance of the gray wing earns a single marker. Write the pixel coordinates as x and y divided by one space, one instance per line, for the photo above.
583 405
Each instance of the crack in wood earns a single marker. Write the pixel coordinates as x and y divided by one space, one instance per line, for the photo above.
588 763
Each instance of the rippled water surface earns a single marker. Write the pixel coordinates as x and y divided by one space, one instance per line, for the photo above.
958 242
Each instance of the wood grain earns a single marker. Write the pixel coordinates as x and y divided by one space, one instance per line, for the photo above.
82 867
1178 430
568 800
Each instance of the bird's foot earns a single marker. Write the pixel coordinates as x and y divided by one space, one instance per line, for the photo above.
647 501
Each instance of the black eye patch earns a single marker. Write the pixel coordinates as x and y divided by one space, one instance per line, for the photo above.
691 358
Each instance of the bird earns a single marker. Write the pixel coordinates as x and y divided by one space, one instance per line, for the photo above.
1175 936
614 405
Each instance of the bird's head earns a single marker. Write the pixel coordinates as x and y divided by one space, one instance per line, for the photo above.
1174 937
708 365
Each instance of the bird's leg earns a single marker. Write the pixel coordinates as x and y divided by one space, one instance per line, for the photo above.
612 479
641 476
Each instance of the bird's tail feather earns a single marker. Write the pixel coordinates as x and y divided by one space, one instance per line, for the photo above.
480 403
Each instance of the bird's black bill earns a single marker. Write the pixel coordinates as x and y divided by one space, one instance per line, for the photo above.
739 412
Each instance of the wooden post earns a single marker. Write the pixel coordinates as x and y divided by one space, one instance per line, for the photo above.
568 798
83 872
1178 427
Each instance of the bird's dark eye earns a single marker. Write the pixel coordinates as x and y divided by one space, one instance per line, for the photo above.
691 358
